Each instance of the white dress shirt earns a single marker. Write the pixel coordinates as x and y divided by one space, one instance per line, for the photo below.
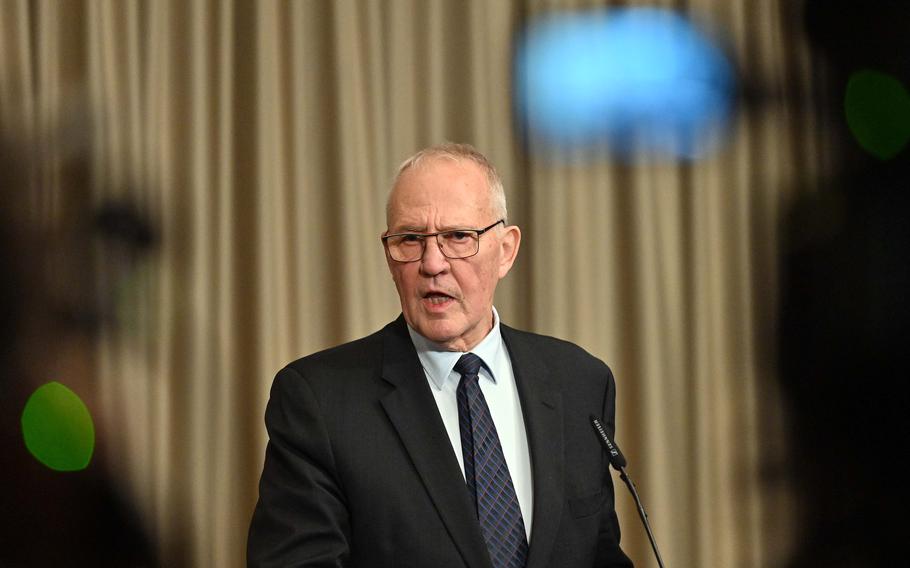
497 382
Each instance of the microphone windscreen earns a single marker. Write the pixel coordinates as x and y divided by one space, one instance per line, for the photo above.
617 460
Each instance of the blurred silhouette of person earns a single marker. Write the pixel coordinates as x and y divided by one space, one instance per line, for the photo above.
51 309
844 338
844 318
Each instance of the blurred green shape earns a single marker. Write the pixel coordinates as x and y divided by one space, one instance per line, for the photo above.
58 428
878 112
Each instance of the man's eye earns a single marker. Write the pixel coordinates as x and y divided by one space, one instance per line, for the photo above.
458 236
411 239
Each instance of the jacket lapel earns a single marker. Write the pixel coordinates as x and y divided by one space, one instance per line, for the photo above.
541 405
413 412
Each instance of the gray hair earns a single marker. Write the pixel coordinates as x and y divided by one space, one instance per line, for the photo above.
458 152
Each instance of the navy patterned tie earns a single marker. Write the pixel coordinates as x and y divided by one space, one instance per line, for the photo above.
486 472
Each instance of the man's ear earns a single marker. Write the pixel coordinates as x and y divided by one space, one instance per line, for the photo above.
509 242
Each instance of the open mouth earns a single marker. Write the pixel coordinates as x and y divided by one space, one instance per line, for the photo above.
437 298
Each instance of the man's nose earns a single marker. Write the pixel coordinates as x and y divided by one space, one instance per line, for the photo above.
433 261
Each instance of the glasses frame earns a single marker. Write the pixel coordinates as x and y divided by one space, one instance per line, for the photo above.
426 236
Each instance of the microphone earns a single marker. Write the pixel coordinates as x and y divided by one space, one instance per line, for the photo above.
618 461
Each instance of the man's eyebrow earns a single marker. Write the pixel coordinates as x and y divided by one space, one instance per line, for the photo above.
422 229
408 229
457 227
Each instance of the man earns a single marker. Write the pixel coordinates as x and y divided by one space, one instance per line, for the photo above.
446 438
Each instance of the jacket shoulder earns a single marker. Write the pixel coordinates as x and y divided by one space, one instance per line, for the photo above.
360 354
552 349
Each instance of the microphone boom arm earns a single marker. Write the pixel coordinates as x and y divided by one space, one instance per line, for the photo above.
618 461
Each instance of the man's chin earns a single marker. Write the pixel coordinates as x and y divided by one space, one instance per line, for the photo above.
440 332
441 336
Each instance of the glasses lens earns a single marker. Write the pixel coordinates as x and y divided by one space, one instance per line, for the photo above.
405 247
459 244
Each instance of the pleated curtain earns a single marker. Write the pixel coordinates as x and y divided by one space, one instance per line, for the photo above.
262 137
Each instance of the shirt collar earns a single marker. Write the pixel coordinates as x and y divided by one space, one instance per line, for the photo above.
439 362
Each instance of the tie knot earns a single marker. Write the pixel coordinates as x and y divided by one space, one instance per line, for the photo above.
468 365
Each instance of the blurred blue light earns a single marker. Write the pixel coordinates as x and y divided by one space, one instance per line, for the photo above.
641 80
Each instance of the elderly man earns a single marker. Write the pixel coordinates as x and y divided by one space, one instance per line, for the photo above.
446 439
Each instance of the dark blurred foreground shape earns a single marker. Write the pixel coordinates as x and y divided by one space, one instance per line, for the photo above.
52 305
844 322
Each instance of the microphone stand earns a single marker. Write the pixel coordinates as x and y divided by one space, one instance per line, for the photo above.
641 513
618 461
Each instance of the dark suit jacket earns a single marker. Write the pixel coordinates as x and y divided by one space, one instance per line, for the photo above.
359 470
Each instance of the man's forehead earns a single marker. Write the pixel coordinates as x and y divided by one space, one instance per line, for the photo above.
440 187
442 171
420 219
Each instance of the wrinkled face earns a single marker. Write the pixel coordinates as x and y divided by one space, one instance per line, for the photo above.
449 301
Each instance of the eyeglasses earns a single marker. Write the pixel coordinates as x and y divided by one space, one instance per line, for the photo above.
456 243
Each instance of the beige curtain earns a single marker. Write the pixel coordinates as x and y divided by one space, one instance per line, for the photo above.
262 136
